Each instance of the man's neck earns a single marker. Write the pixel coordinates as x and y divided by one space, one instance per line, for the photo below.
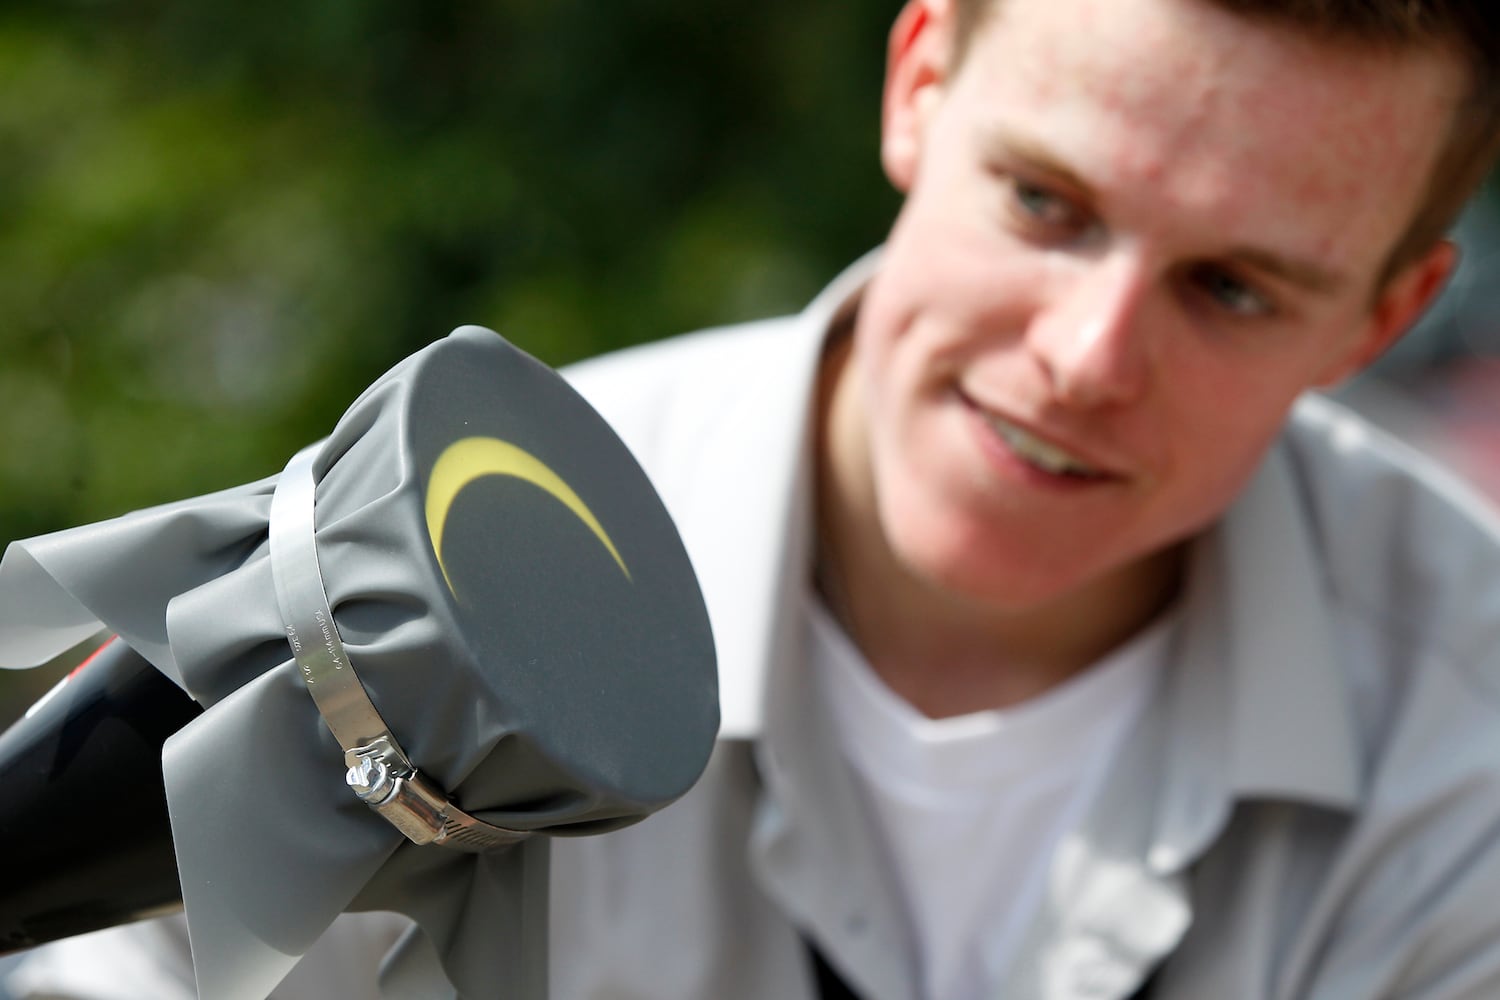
945 653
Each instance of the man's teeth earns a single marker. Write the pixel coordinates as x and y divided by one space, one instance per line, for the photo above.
1039 453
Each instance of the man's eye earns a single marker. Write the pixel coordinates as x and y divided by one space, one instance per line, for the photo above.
1039 206
1230 293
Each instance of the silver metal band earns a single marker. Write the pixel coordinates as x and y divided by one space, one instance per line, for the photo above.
377 769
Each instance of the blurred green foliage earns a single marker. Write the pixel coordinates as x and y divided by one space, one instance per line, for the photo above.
219 222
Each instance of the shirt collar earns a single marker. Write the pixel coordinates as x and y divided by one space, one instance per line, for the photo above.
759 478
1293 731
1254 704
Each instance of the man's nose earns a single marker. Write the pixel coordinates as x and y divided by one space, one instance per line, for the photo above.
1089 337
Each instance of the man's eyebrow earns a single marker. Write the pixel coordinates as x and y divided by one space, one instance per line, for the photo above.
1001 144
1305 274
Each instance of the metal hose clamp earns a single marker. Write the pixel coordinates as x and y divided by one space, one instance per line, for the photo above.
377 769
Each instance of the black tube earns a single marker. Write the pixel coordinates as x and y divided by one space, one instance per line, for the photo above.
85 840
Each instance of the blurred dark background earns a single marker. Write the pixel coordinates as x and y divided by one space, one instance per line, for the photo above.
219 222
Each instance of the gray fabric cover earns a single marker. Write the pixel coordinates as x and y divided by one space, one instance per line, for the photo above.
553 688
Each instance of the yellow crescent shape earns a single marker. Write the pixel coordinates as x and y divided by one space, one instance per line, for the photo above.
472 458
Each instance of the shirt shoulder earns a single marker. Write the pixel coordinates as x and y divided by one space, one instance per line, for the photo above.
1408 549
686 373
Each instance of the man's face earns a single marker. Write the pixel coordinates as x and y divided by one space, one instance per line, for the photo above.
1135 231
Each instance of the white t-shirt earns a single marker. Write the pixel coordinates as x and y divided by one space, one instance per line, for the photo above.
972 807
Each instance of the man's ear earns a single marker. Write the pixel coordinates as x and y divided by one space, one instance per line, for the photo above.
1397 306
915 70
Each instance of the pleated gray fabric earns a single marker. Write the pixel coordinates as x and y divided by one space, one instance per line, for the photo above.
527 622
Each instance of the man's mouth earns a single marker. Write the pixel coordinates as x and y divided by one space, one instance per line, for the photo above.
1041 454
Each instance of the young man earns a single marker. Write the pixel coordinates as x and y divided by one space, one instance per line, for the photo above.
1056 662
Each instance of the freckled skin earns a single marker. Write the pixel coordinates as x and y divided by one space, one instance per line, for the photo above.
1194 133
